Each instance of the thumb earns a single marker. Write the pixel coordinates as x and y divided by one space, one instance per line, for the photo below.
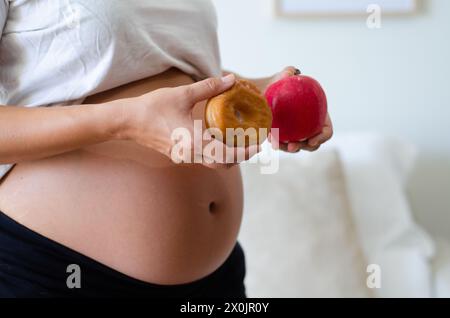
209 88
287 72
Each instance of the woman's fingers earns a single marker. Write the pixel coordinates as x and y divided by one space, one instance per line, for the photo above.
310 148
294 147
286 72
283 146
224 156
207 88
321 138
324 136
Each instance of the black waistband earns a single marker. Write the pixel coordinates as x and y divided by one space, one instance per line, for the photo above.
32 265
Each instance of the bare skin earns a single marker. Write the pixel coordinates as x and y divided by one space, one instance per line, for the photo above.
128 206
97 178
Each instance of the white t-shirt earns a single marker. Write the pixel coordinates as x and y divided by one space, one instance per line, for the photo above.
59 52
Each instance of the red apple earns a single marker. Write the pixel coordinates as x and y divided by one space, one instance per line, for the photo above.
299 107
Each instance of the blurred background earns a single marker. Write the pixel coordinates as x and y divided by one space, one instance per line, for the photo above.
392 82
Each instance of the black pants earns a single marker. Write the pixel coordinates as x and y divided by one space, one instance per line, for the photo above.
32 265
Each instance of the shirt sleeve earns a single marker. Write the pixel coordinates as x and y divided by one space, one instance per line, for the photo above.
3 14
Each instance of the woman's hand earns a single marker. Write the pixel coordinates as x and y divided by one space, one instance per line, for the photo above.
313 143
152 118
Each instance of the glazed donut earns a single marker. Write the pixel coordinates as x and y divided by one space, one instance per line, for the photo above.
242 106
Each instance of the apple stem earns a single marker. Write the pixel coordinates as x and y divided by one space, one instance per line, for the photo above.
297 72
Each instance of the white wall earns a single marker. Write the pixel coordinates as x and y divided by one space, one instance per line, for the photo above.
394 80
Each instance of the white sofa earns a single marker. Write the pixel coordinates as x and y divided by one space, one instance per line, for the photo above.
313 228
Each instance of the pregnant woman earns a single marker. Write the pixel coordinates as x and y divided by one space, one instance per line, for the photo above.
91 203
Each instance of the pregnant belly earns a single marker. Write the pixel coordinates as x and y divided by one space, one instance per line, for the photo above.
129 207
